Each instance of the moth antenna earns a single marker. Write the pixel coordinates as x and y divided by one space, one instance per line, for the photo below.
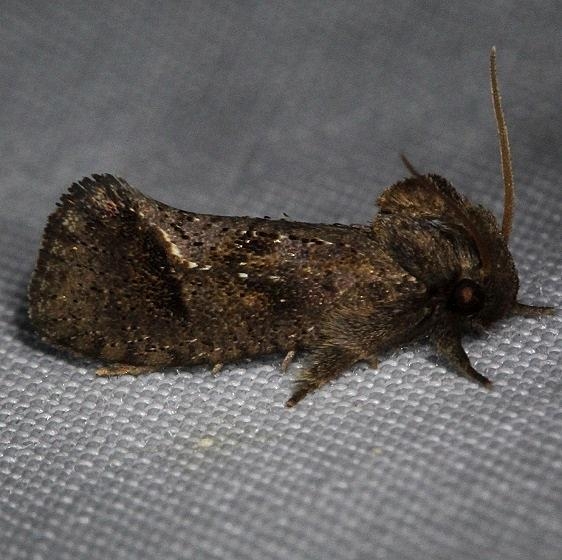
505 152
408 165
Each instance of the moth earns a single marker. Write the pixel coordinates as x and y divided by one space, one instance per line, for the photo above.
142 286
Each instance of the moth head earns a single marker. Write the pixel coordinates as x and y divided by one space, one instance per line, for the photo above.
456 248
494 294
486 291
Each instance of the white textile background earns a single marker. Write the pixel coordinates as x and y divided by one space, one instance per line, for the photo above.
261 108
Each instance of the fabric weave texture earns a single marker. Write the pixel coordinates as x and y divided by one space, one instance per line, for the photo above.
261 108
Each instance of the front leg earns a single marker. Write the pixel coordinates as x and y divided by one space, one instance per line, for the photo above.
449 347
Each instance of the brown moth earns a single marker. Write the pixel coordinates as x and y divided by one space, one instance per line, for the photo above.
143 286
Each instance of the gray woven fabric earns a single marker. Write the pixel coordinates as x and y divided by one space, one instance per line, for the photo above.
264 108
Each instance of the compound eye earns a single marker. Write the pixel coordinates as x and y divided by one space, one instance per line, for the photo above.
467 297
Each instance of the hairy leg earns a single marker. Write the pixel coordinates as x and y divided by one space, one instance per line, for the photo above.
327 364
114 370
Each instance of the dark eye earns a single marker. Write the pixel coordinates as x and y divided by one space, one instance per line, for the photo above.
467 297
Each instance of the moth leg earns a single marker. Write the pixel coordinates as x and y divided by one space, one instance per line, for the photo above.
449 347
114 370
531 311
217 368
328 363
373 361
287 360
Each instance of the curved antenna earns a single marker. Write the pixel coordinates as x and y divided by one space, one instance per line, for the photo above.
505 152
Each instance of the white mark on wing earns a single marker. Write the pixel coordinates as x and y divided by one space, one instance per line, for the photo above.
171 245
